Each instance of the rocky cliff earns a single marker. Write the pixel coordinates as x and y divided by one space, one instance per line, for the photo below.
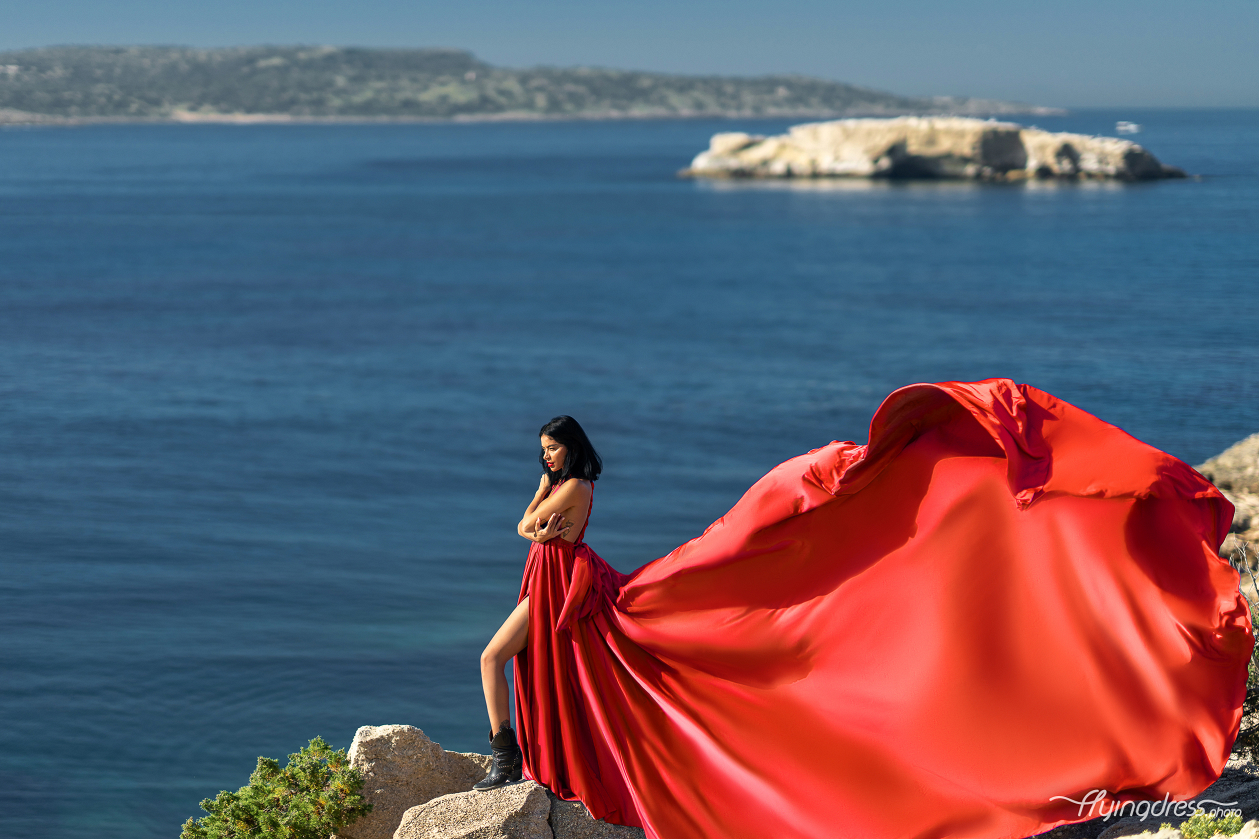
926 147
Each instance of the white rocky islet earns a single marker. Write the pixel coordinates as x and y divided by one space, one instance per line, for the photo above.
957 148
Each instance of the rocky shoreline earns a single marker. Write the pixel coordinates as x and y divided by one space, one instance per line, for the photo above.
954 148
418 790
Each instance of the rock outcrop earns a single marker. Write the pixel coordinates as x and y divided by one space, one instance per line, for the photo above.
515 811
418 790
926 147
569 820
1235 471
402 768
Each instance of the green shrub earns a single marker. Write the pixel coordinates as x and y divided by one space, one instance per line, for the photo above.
1202 826
312 797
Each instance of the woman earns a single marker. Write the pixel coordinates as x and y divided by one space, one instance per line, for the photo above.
1000 615
561 505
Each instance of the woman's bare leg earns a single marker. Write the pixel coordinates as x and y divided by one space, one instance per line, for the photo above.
509 640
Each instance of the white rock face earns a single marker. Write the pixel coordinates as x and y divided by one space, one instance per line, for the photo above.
926 147
1235 471
402 768
514 811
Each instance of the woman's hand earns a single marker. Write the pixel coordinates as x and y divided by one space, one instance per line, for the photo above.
549 529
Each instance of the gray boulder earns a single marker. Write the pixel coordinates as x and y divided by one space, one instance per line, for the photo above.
514 811
402 768
570 820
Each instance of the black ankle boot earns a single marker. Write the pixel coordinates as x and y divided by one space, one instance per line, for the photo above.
508 760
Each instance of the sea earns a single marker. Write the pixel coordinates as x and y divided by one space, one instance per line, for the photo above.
271 394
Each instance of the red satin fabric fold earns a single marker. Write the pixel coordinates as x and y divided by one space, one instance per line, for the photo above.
999 605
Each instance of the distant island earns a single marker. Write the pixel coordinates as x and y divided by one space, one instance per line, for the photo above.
926 147
76 84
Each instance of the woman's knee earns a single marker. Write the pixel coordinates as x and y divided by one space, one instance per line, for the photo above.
492 659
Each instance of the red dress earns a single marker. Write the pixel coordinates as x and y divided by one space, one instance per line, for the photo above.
998 606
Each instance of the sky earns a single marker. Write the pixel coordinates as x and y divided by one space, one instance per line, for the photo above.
1069 53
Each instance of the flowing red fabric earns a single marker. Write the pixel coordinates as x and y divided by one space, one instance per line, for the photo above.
998 606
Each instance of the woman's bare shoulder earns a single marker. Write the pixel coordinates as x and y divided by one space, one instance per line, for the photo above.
575 490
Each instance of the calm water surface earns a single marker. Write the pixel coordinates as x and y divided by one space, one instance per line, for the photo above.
271 395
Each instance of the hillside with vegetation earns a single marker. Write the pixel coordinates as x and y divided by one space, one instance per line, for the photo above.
58 84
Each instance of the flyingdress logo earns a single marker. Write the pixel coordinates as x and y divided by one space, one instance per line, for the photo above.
1106 807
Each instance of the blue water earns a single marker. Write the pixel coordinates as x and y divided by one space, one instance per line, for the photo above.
270 395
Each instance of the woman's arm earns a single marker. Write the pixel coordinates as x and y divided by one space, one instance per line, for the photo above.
527 527
538 523
544 487
540 530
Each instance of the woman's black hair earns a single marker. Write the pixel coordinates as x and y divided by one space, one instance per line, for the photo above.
582 461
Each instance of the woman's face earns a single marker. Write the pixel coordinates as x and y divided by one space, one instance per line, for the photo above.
554 451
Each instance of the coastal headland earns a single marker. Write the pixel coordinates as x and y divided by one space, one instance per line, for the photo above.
956 148
84 84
